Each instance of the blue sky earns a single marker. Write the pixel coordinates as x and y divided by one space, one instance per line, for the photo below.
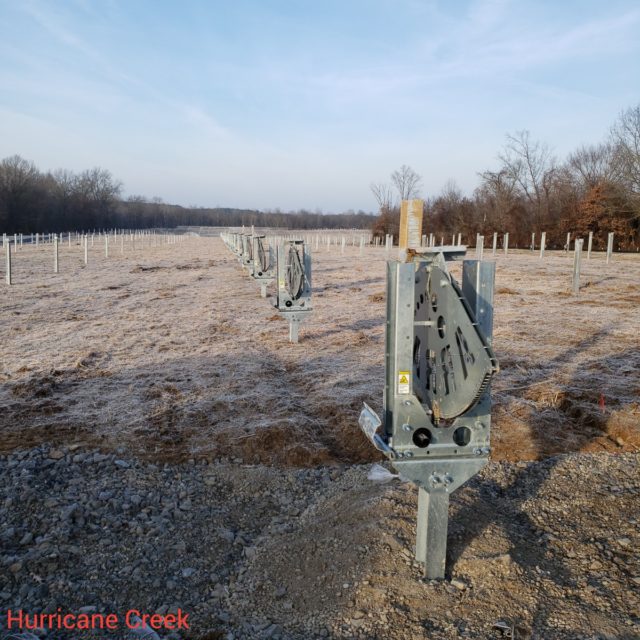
303 104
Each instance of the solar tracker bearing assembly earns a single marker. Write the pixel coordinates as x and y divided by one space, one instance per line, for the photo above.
246 255
293 291
233 241
262 268
437 403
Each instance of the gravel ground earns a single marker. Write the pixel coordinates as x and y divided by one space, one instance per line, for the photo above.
548 549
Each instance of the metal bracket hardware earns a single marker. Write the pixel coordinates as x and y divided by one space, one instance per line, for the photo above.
262 268
439 365
293 289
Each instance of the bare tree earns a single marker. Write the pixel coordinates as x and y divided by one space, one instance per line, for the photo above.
62 192
531 165
451 192
18 180
592 164
389 219
99 187
447 209
625 137
407 182
495 198
383 193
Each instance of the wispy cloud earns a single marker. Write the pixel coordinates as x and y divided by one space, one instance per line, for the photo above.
203 121
489 44
117 84
484 45
54 26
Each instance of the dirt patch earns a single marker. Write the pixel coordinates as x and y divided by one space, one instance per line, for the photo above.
151 268
35 387
284 443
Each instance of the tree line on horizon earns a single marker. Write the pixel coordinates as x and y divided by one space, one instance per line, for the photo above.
33 201
596 188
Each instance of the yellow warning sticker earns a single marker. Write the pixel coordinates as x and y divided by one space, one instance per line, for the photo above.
403 382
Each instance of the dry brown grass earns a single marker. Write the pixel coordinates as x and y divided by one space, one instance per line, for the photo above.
173 354
379 296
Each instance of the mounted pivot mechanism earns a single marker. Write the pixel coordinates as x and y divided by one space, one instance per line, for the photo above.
262 268
439 365
246 254
293 294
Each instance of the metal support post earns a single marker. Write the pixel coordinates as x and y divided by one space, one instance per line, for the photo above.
589 245
431 536
577 253
8 262
495 242
609 246
55 253
294 323
543 243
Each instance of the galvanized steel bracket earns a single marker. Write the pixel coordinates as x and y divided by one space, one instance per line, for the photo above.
293 287
437 403
263 265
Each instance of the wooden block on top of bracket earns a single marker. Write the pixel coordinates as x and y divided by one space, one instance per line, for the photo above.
410 224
